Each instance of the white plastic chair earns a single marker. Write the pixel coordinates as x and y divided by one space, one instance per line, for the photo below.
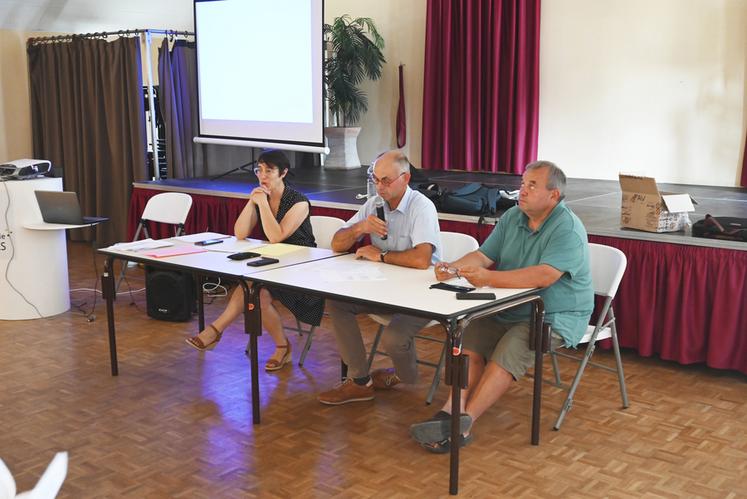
168 208
324 229
607 268
46 488
454 246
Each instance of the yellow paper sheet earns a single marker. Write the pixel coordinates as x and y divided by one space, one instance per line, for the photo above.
277 249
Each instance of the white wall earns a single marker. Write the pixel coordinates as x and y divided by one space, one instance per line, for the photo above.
402 25
654 86
15 112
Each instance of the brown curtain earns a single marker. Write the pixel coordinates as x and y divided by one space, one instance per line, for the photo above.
88 117
177 77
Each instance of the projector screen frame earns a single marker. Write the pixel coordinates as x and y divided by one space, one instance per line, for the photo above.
265 142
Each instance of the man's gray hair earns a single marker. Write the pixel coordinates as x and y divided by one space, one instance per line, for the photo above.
555 177
399 159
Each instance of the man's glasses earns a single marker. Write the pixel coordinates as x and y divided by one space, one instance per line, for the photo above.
385 181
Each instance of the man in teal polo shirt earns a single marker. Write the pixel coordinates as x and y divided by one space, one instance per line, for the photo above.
540 243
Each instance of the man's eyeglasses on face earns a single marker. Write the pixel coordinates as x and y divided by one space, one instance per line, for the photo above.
385 181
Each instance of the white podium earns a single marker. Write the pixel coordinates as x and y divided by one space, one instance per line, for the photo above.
34 261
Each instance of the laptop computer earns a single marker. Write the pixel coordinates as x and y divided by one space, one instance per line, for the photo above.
62 207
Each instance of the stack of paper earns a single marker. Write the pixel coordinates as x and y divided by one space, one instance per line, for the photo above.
142 245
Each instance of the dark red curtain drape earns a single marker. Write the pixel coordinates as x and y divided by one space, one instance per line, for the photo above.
88 117
481 85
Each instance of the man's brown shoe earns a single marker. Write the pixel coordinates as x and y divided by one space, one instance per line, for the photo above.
347 391
384 379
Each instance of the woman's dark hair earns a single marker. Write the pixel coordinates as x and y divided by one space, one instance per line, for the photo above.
274 158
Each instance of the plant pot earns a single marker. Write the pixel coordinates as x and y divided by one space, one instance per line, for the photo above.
343 148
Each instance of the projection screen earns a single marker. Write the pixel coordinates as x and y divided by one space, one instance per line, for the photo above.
259 73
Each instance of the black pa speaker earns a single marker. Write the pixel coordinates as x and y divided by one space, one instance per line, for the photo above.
169 295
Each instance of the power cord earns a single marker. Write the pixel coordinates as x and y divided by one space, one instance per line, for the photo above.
13 251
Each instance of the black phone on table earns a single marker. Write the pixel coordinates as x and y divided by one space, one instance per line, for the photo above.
262 261
451 287
475 296
244 255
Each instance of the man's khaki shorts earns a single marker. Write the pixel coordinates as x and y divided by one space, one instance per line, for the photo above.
506 344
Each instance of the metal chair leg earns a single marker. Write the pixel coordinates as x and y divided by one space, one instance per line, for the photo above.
555 366
375 346
618 361
140 227
568 403
307 346
436 376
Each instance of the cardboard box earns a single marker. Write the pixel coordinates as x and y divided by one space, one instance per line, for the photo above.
644 207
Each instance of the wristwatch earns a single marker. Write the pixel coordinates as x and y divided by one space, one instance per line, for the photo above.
382 255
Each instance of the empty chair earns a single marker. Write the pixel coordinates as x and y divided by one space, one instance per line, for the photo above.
46 488
324 229
168 208
454 245
607 268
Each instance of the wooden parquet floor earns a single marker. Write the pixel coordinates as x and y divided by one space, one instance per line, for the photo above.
177 423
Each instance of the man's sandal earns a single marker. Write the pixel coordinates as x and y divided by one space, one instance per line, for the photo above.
438 428
444 446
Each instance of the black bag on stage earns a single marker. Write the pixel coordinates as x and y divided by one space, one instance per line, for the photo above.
729 228
477 199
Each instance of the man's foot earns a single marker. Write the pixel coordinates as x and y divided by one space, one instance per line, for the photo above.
438 428
384 379
444 446
347 391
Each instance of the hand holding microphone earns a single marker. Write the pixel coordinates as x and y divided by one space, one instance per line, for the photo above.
379 204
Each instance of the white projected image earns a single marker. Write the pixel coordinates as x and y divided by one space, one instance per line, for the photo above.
259 69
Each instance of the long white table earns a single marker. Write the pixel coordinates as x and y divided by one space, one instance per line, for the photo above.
405 290
212 262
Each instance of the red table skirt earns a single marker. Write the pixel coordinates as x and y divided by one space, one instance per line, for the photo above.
682 303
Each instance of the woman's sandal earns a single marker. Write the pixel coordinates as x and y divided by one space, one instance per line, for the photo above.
276 365
197 343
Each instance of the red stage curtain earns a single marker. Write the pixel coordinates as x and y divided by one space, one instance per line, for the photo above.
481 91
683 303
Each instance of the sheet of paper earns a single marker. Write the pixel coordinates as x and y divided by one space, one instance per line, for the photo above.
277 249
232 245
175 251
202 236
142 245
351 271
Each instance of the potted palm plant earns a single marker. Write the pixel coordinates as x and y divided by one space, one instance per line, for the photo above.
354 53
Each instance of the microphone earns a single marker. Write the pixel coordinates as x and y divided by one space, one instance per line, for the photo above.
379 204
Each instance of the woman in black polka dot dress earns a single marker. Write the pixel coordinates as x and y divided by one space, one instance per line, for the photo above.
283 213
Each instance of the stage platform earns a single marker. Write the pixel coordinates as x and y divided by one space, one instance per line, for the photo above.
682 298
596 202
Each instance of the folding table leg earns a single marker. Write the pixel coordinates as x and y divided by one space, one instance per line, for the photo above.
253 326
107 289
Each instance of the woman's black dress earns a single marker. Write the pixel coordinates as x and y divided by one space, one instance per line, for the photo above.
306 308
